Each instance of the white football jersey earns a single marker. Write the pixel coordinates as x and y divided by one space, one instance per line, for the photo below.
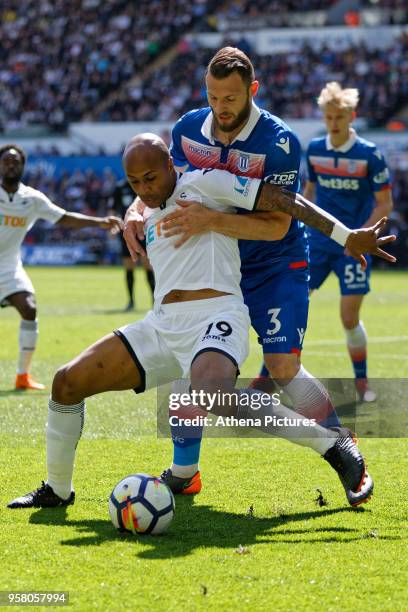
209 260
18 213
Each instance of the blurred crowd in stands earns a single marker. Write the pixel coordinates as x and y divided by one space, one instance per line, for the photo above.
80 191
386 4
69 60
60 58
248 8
63 60
86 192
289 82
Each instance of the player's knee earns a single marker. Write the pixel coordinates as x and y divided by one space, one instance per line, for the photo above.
28 310
349 320
66 386
215 384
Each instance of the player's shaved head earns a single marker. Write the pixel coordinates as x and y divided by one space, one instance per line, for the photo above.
145 146
149 168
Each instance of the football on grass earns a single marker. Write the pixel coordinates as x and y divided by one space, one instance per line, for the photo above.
141 503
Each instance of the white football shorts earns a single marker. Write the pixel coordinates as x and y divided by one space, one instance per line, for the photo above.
165 343
14 281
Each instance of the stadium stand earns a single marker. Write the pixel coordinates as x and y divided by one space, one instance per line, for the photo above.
60 58
80 191
289 81
118 61
54 72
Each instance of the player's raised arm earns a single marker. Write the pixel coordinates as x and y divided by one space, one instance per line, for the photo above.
358 242
77 220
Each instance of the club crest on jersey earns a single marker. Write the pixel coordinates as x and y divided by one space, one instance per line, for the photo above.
243 162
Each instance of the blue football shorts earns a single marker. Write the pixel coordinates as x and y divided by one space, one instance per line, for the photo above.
353 279
278 307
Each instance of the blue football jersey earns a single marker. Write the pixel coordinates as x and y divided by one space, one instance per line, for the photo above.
346 180
265 148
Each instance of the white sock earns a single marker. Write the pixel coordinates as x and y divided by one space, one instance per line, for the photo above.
309 397
184 471
27 340
356 337
63 431
318 438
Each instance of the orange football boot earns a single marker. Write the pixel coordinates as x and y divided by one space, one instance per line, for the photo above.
183 486
25 381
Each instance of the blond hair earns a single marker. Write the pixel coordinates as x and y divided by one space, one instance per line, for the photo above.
333 93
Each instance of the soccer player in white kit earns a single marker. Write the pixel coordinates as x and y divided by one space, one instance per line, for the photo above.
20 207
198 327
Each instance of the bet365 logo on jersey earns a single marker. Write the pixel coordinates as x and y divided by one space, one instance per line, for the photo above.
338 183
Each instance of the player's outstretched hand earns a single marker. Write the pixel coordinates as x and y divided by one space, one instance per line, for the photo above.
113 224
366 240
190 219
133 233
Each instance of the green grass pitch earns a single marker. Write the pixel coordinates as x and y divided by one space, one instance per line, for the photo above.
290 555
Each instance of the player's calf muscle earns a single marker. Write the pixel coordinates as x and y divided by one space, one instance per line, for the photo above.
282 366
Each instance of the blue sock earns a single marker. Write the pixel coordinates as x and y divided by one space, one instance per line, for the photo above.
264 371
360 368
332 420
186 444
186 452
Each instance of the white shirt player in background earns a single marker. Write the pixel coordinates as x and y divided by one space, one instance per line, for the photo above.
20 207
199 325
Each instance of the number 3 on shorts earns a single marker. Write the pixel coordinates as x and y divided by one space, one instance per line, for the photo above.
274 312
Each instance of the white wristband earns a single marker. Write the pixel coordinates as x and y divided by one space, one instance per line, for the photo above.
340 233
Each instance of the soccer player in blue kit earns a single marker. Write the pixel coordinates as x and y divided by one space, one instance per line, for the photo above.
235 135
349 178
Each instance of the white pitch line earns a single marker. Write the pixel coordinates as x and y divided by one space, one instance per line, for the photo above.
371 340
384 356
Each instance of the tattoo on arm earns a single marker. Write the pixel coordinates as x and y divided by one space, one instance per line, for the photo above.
273 198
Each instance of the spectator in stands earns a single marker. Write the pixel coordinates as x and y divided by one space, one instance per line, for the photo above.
290 81
59 60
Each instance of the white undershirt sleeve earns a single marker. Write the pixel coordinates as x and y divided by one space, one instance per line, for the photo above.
228 189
